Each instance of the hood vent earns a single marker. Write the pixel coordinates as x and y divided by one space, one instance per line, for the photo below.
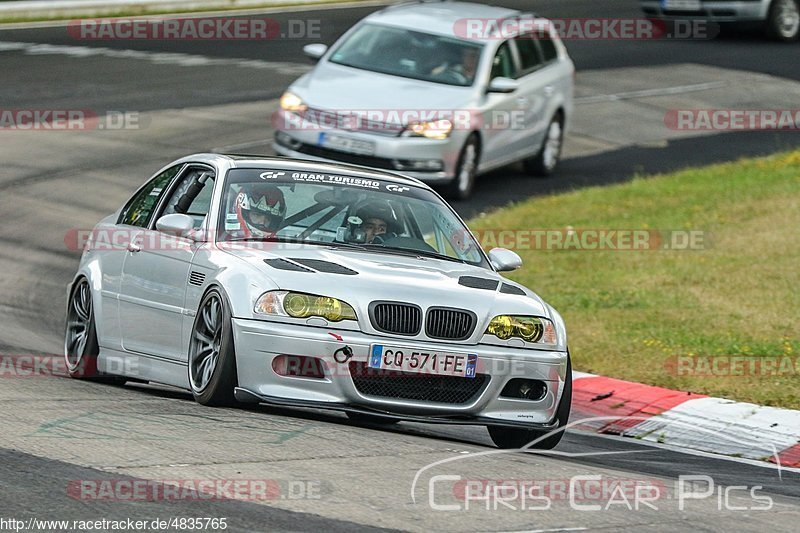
510 289
196 278
299 264
283 264
324 266
478 283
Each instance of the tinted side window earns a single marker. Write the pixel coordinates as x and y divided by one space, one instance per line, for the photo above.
503 63
140 207
201 203
528 53
548 47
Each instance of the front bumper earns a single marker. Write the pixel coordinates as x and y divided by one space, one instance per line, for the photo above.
394 153
724 11
259 342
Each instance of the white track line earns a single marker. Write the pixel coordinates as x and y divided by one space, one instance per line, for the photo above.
663 91
220 13
161 58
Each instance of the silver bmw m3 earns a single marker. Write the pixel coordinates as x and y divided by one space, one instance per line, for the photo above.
295 283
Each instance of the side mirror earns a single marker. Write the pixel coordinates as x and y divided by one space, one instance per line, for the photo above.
503 85
315 51
176 224
504 260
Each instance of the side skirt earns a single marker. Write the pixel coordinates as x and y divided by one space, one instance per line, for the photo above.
143 367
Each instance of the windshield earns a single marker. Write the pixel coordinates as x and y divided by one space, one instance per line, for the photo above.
411 54
337 210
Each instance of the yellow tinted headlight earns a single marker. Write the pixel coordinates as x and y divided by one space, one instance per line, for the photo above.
528 328
297 305
501 327
301 305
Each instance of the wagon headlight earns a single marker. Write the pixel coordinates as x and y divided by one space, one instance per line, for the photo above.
433 129
302 305
292 102
531 329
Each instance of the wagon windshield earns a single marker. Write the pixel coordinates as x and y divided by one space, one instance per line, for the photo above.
410 54
346 211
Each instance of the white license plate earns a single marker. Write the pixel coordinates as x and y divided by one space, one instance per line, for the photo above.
346 144
681 5
423 361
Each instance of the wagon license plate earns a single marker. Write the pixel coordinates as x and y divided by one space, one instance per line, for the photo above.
346 144
423 361
681 5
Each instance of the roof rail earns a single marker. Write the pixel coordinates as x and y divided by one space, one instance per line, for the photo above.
517 16
412 2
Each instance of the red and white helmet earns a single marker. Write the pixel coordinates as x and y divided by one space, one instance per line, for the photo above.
261 209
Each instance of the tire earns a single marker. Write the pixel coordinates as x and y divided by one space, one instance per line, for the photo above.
80 338
212 358
460 188
783 20
363 418
514 438
545 162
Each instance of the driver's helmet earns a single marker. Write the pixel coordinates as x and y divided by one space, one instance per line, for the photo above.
260 209
381 210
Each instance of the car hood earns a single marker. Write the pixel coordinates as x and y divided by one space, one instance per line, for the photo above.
336 87
380 276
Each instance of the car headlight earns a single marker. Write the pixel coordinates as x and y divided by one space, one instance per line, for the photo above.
292 102
531 329
433 129
302 305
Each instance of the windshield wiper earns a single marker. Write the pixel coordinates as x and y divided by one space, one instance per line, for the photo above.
374 248
417 253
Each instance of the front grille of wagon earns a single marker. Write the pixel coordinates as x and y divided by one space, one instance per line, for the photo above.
395 317
451 390
449 324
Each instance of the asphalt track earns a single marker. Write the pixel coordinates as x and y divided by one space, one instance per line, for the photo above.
56 431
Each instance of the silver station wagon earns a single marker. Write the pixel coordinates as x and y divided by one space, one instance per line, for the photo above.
442 91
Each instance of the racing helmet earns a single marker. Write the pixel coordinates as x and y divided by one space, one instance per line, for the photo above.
381 210
260 209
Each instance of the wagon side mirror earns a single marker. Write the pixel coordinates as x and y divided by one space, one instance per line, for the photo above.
315 51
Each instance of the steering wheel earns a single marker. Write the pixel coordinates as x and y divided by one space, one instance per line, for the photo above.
454 76
381 239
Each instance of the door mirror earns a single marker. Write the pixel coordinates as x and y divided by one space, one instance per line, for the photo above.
315 51
176 224
503 85
504 260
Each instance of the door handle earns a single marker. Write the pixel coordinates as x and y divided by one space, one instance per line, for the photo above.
134 247
548 90
523 102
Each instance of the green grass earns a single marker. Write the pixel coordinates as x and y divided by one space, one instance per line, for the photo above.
630 313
